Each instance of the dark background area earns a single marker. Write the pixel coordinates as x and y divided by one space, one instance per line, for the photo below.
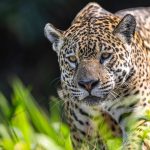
26 53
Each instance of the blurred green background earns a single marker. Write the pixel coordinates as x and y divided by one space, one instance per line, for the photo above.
25 52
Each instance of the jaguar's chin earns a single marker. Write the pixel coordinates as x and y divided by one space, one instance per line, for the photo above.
93 100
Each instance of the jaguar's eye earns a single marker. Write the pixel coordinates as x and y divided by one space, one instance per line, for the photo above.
72 59
104 57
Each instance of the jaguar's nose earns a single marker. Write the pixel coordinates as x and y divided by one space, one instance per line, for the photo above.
88 84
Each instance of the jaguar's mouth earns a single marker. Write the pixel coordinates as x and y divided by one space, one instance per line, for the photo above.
93 100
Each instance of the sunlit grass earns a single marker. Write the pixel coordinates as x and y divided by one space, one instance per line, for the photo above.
24 125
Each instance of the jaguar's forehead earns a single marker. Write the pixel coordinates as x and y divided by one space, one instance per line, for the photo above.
90 37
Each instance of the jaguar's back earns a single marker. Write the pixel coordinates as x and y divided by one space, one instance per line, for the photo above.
142 16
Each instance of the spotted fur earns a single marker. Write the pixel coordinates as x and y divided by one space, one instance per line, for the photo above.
104 60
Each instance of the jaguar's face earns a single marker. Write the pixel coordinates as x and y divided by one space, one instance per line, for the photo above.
90 73
92 64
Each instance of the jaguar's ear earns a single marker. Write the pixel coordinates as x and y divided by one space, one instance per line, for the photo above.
55 36
126 28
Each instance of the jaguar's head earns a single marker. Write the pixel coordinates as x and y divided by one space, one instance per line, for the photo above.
94 56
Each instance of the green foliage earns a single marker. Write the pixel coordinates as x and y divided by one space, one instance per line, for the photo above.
24 125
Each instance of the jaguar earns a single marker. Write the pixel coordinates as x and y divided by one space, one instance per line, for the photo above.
104 59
